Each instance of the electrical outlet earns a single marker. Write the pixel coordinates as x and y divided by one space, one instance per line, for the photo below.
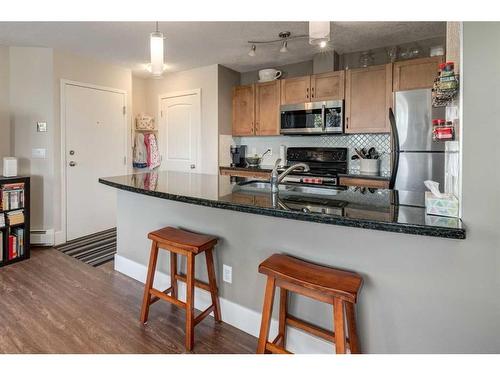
227 273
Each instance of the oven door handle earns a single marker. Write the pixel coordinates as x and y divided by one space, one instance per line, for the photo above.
323 117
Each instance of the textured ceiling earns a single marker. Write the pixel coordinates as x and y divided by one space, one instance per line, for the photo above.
193 44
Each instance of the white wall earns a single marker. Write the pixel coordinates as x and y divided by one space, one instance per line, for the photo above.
30 82
204 78
4 103
31 100
227 79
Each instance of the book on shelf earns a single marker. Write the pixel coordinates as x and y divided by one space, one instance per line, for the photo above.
16 243
2 220
1 246
12 196
15 217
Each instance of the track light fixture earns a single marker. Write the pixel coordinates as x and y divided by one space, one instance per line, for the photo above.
252 50
284 47
319 34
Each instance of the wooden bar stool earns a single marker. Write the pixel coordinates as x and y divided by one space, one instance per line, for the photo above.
189 244
335 287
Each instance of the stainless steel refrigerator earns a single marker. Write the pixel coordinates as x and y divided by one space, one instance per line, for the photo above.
416 157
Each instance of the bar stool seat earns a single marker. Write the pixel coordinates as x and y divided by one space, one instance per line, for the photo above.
326 284
189 244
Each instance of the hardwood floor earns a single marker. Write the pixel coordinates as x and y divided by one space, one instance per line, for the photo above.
53 303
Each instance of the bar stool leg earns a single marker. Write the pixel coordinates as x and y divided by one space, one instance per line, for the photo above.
190 302
339 325
266 315
282 317
212 281
352 329
149 282
173 273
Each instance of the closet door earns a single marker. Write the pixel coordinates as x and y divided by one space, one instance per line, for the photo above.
179 132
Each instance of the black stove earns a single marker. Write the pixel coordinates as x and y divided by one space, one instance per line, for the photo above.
325 164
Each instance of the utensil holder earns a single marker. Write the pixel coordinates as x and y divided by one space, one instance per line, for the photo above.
369 166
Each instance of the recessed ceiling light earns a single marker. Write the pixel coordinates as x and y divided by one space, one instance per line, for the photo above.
319 33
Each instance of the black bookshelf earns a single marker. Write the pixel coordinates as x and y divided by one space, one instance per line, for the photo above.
6 230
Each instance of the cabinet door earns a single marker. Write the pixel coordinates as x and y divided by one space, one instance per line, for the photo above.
267 108
296 90
368 99
416 74
244 110
327 86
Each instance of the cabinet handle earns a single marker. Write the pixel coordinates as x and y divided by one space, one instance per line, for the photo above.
347 122
307 93
312 92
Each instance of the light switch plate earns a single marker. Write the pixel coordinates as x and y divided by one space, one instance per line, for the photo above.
38 153
227 273
41 127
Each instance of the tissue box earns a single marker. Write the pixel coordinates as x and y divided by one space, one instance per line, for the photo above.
446 206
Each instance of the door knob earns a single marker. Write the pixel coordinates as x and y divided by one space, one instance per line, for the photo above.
192 166
71 152
72 163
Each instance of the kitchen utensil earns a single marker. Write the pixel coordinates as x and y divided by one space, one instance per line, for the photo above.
360 154
365 153
369 166
254 161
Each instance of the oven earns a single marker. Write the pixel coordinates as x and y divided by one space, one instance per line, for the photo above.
313 118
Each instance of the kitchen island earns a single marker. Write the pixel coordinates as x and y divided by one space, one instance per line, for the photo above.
375 208
390 246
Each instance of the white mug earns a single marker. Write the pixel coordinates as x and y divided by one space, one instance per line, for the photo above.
269 74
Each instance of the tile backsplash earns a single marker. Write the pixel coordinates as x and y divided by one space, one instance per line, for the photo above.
381 142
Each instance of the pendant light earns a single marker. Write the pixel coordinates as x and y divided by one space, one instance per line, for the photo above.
157 66
319 33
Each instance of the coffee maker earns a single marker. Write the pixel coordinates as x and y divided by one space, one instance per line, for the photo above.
238 156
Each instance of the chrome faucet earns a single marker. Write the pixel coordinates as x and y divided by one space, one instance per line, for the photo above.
277 178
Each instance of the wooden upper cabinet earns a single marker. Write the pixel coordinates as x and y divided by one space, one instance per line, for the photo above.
327 86
368 97
267 108
416 74
244 110
296 90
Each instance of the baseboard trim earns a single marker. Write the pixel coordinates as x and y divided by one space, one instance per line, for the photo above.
234 314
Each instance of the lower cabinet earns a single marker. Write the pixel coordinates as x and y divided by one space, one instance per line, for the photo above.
227 171
364 182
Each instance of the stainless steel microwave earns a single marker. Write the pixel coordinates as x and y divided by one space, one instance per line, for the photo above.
313 118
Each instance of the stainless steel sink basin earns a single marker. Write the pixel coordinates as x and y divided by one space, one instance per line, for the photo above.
301 189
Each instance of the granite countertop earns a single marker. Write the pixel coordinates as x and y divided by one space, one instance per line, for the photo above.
360 208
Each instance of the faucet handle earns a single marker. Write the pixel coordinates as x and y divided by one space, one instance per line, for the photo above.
277 163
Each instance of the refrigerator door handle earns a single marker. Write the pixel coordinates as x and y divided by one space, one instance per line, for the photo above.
395 150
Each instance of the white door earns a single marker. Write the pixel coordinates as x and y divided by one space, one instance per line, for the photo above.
180 131
96 131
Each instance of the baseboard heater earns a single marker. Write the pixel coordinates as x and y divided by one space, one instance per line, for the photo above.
42 237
